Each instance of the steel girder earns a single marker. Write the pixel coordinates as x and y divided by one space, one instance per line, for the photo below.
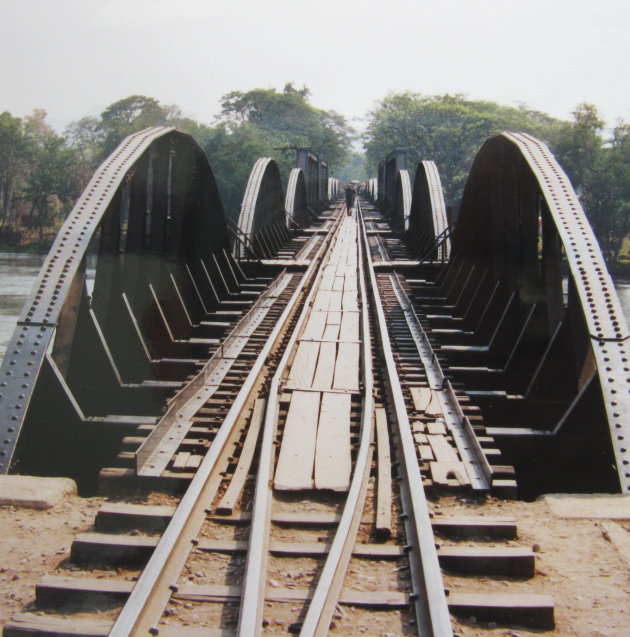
520 221
152 206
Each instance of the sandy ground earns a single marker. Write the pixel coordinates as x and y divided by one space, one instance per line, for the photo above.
577 563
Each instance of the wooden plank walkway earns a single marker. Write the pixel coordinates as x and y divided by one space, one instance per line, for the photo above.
315 447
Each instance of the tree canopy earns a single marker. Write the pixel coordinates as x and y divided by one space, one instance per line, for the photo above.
42 172
448 129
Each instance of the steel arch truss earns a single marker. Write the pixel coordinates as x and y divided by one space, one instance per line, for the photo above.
262 224
79 365
535 330
402 201
296 201
428 236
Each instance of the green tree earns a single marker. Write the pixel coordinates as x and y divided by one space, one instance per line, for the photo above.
130 115
289 116
232 152
15 157
578 145
354 169
448 129
86 138
52 184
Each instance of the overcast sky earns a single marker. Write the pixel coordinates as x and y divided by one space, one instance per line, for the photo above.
75 57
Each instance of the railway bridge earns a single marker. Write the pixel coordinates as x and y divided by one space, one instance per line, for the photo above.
293 389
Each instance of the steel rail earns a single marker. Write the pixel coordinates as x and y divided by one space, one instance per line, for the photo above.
477 465
158 447
432 614
253 591
158 579
326 594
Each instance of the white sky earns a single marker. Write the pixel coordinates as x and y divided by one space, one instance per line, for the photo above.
75 57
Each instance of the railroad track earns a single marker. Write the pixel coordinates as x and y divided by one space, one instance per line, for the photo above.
304 450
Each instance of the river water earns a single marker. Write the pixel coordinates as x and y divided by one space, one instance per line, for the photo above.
18 273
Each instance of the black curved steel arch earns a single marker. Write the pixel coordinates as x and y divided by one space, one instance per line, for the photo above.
262 221
428 225
296 200
401 205
519 216
153 201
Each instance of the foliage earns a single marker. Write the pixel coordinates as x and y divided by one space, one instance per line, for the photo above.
449 129
15 156
599 169
36 174
354 169
232 152
42 173
289 117
267 123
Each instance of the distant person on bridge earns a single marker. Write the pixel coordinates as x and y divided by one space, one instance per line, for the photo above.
350 197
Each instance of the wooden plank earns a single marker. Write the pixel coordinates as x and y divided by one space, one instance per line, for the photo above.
350 302
303 549
233 492
421 398
426 453
350 327
442 449
303 367
294 470
103 548
283 518
325 365
221 594
481 560
467 527
332 457
322 301
452 473
333 318
434 408
23 624
181 459
437 428
533 611
327 282
315 325
30 624
335 301
331 333
339 284
418 427
119 517
194 461
347 367
350 283
384 476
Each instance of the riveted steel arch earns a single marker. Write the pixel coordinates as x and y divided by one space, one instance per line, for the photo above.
521 220
153 201
296 201
262 218
402 201
427 217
